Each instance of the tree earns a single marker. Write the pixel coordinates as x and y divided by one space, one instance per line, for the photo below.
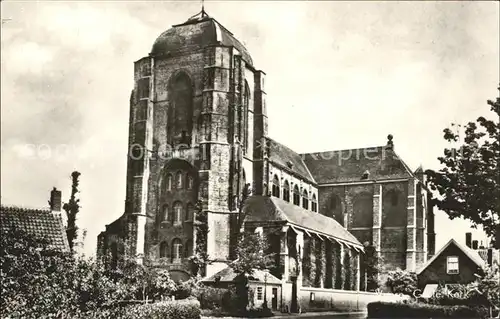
469 181
72 207
200 258
250 248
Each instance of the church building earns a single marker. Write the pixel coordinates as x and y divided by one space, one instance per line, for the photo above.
198 131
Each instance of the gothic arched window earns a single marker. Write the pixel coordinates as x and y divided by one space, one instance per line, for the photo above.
177 252
305 199
296 195
177 212
180 110
286 191
165 215
314 203
246 99
163 249
178 180
169 182
276 186
190 181
189 212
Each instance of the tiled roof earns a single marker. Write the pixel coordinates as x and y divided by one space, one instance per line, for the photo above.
283 156
41 223
471 253
350 165
227 275
269 209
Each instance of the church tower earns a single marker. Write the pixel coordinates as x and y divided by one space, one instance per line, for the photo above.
197 118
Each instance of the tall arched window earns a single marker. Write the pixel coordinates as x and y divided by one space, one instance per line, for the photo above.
177 212
189 212
246 99
176 251
314 203
163 249
180 110
276 186
296 195
178 180
169 182
286 191
165 216
305 199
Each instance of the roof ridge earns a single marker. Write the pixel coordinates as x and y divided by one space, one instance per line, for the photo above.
21 208
346 149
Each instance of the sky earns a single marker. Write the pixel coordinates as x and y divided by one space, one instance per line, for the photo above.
340 75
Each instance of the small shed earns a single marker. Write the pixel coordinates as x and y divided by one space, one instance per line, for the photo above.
264 285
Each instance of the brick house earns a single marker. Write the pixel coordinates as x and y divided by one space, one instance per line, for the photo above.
453 264
198 130
49 224
458 264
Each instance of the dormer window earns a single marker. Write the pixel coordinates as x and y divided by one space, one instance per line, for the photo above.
289 164
365 175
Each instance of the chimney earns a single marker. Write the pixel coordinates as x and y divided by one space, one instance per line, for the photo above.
490 257
55 200
474 244
468 240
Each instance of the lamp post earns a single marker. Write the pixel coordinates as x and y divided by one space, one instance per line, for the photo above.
265 290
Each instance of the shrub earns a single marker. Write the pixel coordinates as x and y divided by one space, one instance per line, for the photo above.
258 313
178 309
402 282
420 310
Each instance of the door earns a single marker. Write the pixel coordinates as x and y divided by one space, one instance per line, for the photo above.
274 301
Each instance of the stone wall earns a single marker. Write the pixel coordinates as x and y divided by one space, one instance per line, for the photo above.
333 299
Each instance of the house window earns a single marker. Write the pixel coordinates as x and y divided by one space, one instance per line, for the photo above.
178 180
276 187
305 200
286 191
177 213
452 265
259 293
176 251
169 182
296 195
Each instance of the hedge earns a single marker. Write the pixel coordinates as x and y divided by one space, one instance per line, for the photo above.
421 310
178 309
